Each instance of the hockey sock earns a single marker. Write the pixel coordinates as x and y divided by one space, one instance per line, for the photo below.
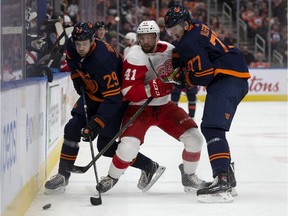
192 105
141 162
67 159
218 150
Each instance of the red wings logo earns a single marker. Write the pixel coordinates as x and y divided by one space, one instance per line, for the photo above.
164 70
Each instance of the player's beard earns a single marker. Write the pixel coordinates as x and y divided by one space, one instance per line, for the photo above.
148 49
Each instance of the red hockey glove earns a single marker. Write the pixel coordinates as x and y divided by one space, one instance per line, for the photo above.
92 129
159 89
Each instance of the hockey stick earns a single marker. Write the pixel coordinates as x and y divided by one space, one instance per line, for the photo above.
168 79
40 68
79 169
67 31
93 200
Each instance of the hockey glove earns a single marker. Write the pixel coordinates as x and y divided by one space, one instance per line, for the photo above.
176 63
179 78
92 129
78 85
159 89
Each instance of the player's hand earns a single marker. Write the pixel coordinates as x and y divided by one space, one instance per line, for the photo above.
78 85
92 129
159 89
179 77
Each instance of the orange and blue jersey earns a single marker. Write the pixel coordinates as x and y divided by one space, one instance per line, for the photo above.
100 72
206 56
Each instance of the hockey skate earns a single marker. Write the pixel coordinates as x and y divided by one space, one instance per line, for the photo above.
57 183
106 184
148 179
218 192
191 182
232 179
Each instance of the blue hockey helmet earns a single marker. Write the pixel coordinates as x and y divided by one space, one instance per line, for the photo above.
83 31
101 24
175 15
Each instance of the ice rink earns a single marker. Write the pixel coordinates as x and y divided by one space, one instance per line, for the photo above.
258 142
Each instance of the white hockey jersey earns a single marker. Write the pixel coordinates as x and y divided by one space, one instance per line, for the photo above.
137 72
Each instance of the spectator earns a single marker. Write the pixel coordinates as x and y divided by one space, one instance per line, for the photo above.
114 42
7 71
275 35
73 10
282 46
101 30
130 40
229 39
221 33
255 22
247 15
164 36
215 24
279 10
259 63
67 22
249 57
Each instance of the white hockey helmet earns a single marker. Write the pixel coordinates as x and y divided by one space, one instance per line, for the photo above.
67 19
131 36
149 26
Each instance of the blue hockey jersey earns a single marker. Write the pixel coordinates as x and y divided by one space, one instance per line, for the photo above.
205 56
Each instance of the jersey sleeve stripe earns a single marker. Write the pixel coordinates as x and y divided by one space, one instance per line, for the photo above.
204 73
233 73
111 92
94 98
74 75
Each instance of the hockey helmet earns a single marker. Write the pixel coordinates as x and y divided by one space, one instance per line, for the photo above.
131 37
67 21
149 26
176 15
83 31
100 25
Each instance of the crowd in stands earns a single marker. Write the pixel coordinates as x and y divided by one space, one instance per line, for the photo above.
254 13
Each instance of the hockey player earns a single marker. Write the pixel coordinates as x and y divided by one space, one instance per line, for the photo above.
101 30
141 82
96 67
191 93
130 40
222 69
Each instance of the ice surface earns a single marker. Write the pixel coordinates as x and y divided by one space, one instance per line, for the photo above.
258 142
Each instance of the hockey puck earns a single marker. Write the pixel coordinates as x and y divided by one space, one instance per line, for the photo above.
95 200
47 206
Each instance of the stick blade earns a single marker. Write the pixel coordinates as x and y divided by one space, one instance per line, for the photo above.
59 30
68 30
78 169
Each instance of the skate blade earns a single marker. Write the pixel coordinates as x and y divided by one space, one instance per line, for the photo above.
234 192
157 175
59 190
190 190
224 197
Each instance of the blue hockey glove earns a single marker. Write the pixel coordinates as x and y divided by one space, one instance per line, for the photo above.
92 129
